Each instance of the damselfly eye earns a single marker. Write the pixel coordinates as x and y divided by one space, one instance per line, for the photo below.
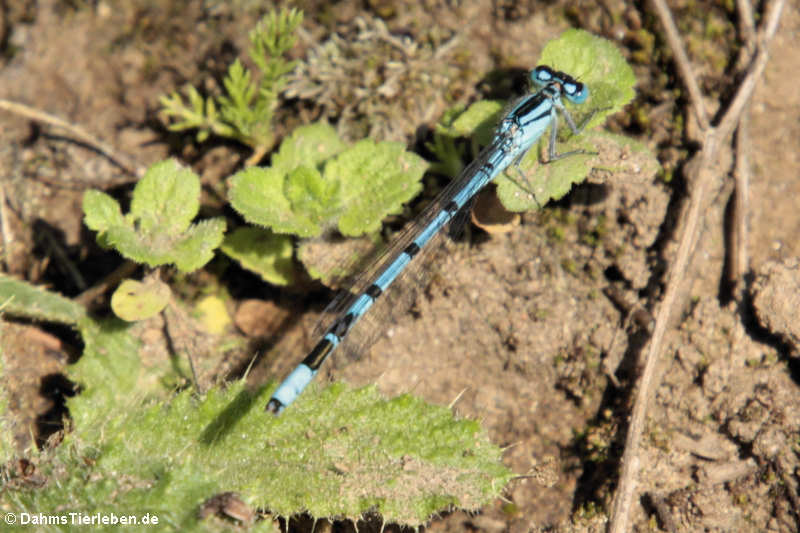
542 75
575 91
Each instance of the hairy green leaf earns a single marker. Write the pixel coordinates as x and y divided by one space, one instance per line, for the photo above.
400 458
376 180
267 254
294 203
591 60
166 199
359 185
158 229
102 211
309 145
22 299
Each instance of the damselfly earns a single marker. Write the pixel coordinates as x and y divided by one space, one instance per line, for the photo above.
521 127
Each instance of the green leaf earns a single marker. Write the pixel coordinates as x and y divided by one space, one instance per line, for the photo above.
166 199
257 194
238 84
101 211
137 300
158 229
335 453
116 372
339 453
310 194
541 183
291 196
195 100
187 117
362 183
593 61
267 254
309 145
274 34
481 119
375 179
195 246
599 64
18 298
297 203
109 371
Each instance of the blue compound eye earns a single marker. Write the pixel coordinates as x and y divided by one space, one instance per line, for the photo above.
542 75
575 91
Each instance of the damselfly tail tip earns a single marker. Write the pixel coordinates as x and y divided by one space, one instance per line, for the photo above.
274 406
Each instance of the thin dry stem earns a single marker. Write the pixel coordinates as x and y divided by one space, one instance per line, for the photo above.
79 133
5 229
681 61
700 175
740 255
111 280
746 26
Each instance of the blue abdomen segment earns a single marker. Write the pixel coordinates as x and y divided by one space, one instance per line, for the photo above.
292 386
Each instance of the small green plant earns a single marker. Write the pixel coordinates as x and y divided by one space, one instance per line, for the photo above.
316 182
245 111
137 448
259 250
157 231
365 453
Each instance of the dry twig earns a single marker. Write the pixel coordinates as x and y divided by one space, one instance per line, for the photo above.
5 230
113 279
740 254
79 133
700 175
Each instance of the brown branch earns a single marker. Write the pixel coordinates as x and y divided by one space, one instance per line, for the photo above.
740 253
77 132
681 61
111 280
5 231
700 175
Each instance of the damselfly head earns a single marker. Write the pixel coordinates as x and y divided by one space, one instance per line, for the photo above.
573 90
